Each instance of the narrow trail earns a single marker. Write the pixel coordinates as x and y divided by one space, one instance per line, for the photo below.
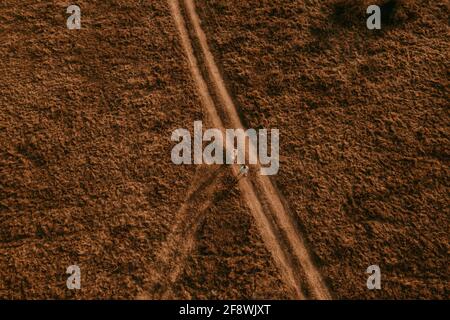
171 257
276 224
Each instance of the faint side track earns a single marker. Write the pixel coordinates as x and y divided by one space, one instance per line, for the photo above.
276 224
171 256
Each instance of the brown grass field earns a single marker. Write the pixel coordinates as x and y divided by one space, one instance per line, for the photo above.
86 176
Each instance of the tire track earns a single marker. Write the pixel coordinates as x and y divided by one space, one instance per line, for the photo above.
171 256
276 225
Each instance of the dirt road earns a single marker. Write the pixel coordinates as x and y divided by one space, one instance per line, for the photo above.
277 226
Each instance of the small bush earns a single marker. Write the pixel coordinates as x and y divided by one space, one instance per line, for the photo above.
398 11
353 12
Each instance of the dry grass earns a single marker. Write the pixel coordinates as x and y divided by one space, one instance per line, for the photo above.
393 12
86 176
364 123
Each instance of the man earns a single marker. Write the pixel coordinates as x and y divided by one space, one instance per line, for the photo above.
243 172
243 169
